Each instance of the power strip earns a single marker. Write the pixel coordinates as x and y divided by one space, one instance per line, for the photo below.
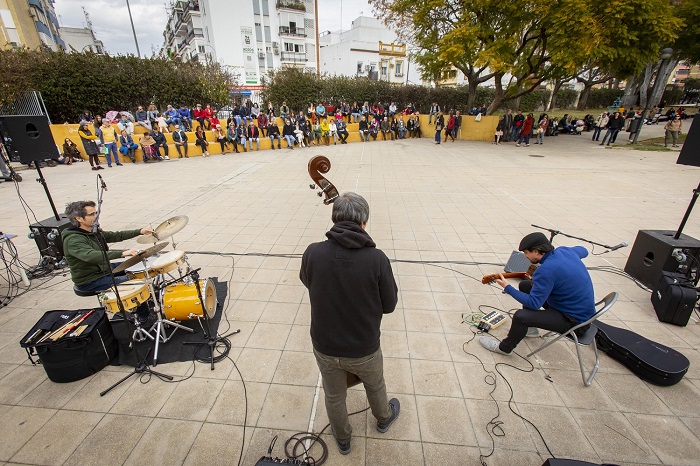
493 319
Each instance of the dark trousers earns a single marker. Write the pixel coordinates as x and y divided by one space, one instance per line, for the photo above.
343 135
613 135
179 150
164 146
546 319
105 283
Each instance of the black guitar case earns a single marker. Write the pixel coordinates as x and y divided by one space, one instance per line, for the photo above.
649 360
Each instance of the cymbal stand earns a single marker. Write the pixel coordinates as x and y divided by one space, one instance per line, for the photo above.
141 364
212 340
161 333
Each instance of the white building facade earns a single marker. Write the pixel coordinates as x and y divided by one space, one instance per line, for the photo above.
367 49
249 37
81 40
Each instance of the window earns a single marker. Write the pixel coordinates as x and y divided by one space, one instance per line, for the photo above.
359 67
201 49
299 48
398 70
385 69
288 47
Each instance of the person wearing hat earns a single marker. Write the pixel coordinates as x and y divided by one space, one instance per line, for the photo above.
560 295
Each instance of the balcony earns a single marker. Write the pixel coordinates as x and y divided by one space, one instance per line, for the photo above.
294 57
392 50
289 31
36 3
291 5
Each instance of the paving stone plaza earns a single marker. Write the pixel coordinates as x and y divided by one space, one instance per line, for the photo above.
463 206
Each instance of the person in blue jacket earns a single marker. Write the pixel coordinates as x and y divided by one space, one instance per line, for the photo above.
559 296
185 117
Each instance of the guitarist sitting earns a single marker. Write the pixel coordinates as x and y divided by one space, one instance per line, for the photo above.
561 284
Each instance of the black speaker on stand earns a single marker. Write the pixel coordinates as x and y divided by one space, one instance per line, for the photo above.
662 250
30 137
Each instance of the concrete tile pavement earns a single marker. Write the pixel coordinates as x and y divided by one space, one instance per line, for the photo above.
460 202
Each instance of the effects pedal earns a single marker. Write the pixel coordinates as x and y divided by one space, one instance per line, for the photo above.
493 319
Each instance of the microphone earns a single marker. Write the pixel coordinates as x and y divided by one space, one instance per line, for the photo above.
614 248
104 185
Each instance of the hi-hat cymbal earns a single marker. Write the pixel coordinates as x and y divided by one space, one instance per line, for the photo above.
133 260
165 230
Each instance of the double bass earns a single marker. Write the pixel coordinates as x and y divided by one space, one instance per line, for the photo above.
317 165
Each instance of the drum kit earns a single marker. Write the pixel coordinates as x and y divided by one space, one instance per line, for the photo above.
167 282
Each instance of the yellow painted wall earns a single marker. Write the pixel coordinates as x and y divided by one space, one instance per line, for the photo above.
24 23
471 131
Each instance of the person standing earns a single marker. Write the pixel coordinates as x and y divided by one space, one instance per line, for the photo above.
615 124
507 125
89 141
108 136
600 123
434 111
673 128
526 130
180 141
449 131
518 121
542 128
439 124
351 286
559 296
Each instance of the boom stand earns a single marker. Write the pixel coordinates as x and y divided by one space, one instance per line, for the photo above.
696 192
553 233
212 340
141 364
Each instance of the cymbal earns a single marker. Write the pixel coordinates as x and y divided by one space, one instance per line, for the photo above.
165 230
133 260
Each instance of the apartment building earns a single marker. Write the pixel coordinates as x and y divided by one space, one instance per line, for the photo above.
249 37
29 23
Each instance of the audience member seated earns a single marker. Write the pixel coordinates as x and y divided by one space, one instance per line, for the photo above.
70 150
273 132
148 146
142 118
172 117
125 124
253 135
127 146
200 139
185 117
159 138
180 141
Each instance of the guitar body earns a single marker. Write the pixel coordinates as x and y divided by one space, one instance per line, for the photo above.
494 276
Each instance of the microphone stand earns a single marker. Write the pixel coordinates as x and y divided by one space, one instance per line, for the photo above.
553 233
212 340
141 364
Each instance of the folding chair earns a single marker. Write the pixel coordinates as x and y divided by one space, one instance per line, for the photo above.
588 338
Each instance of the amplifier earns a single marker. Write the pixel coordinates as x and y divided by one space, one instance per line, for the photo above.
673 298
47 235
657 250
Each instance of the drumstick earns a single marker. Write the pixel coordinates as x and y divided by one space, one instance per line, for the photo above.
72 327
78 331
50 334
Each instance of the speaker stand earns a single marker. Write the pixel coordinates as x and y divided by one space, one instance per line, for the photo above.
42 181
696 192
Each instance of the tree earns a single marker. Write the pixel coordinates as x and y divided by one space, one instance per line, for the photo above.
522 44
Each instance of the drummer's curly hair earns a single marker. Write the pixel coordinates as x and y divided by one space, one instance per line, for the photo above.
77 209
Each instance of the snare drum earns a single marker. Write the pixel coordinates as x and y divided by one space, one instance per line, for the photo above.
167 262
181 301
137 271
132 293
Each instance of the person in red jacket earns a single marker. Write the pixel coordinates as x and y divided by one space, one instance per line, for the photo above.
526 131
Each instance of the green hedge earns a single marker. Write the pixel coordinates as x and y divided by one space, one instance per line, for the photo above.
73 82
299 89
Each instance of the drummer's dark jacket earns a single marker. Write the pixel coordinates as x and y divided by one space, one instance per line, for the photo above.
84 255
351 286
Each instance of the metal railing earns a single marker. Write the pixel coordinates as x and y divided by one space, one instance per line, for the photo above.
290 31
297 57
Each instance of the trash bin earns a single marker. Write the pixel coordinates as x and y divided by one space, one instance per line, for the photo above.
635 124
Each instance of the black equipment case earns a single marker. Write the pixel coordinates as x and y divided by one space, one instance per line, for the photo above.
674 298
650 361
71 358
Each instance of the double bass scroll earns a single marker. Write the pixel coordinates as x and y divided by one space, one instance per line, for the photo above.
317 165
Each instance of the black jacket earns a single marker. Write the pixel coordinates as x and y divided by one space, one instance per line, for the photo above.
351 286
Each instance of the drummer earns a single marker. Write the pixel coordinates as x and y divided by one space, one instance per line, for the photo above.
86 260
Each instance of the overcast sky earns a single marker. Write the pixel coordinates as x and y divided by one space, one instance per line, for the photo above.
110 20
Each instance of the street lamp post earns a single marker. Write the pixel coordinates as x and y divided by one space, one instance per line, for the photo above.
664 55
138 52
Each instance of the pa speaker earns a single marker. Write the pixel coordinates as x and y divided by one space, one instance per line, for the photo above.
657 250
28 136
690 152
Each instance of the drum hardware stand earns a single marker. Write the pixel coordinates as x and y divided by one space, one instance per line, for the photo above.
141 364
161 333
212 340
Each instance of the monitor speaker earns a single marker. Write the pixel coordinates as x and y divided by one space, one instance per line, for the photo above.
29 137
657 250
690 152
